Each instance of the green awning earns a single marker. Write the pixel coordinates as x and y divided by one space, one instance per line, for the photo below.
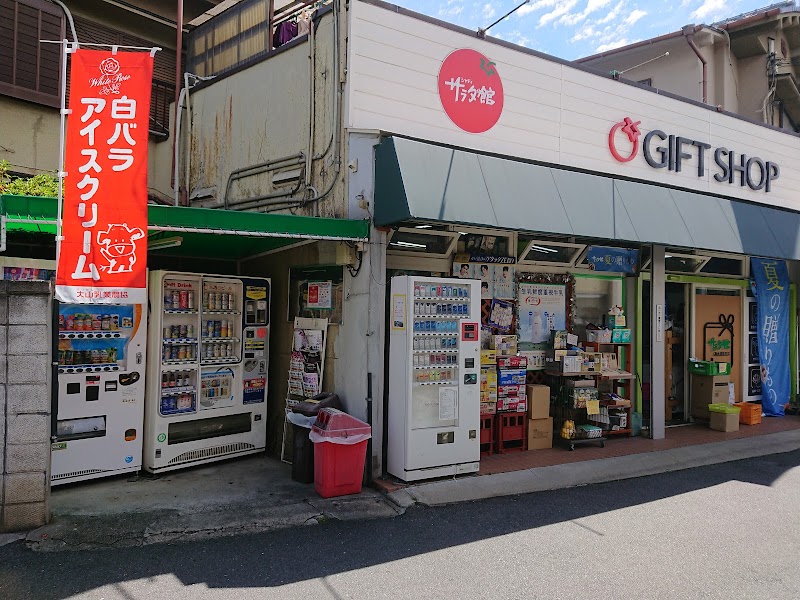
199 232
418 181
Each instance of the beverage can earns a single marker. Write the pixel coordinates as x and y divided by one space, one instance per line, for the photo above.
114 322
61 321
105 323
184 331
190 299
176 299
224 302
184 299
217 328
167 332
209 328
190 331
181 352
77 322
205 299
231 303
224 329
69 323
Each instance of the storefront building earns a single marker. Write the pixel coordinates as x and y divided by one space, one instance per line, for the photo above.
490 154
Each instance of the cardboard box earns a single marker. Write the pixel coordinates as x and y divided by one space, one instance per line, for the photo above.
488 357
609 361
621 336
505 345
705 390
540 433
571 364
488 379
601 336
536 358
724 421
489 396
512 362
513 404
511 377
590 362
488 408
613 321
563 339
538 401
506 391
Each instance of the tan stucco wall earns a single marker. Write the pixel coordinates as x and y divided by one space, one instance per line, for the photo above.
28 135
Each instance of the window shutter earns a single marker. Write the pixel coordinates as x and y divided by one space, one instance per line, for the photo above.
30 70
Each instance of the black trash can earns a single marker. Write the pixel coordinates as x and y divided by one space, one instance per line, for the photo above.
302 447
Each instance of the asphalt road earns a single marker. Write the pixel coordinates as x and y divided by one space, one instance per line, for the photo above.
726 531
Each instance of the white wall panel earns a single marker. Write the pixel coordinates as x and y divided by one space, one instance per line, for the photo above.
552 112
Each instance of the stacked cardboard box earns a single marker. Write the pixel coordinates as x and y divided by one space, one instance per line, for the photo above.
511 372
540 423
488 388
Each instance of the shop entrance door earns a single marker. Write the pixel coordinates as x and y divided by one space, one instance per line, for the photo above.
677 311
717 328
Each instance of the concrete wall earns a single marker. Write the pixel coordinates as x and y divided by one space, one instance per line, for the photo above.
28 135
25 348
261 114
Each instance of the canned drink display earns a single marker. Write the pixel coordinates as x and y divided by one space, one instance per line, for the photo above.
190 299
167 299
224 302
181 352
228 350
190 331
210 328
114 322
217 328
77 322
176 299
216 351
106 323
184 299
223 332
184 331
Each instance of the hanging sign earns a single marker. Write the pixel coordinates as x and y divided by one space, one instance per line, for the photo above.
772 295
470 90
612 260
103 252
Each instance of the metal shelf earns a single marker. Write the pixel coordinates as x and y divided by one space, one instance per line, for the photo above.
441 299
180 311
175 391
442 333
448 382
437 351
207 311
228 360
450 366
220 340
440 317
170 341
183 362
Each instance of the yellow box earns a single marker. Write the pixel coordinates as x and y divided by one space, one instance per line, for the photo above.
488 357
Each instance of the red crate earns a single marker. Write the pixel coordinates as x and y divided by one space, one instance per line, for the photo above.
487 434
512 432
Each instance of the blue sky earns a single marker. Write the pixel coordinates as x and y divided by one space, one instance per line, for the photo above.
574 28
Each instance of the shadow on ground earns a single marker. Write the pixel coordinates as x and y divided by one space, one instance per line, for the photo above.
292 555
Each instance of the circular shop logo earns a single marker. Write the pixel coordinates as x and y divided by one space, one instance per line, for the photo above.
631 130
162 437
470 90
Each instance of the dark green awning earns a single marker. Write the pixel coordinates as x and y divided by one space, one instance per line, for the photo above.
204 232
420 181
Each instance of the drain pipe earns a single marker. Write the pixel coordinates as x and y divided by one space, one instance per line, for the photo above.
69 19
688 33
311 103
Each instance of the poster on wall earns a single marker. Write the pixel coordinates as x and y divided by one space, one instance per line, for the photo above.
319 295
772 296
501 315
497 279
542 309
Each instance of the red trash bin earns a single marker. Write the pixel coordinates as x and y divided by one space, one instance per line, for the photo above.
340 449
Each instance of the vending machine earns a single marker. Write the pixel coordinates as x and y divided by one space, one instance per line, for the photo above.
434 366
99 400
207 369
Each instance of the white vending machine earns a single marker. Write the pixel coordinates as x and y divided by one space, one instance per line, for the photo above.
434 367
98 405
207 369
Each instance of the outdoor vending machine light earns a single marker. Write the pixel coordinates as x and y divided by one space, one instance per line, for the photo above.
434 363
99 413
207 369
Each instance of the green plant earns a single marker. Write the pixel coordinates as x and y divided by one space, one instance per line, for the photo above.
43 184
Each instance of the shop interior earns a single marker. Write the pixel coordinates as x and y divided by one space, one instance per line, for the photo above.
707 317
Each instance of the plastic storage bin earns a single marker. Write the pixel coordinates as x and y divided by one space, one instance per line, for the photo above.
750 413
707 367
340 449
302 418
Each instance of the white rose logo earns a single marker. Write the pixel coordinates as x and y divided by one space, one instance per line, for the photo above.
109 67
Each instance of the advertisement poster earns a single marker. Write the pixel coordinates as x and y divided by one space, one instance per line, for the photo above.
319 295
497 279
501 315
398 311
103 254
612 260
542 309
772 295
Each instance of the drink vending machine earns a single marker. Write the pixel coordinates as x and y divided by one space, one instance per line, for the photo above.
207 372
434 364
99 408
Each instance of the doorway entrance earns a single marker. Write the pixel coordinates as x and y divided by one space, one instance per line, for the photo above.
676 316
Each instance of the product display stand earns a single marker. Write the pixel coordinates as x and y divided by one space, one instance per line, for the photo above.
306 366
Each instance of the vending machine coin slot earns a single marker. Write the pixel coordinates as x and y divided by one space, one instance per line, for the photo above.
111 386
446 437
469 363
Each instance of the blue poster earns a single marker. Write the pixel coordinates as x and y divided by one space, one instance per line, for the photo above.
614 260
771 290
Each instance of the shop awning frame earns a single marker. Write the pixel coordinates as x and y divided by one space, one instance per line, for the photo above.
244 234
417 181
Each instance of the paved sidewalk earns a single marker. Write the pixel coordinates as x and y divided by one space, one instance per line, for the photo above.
573 474
247 495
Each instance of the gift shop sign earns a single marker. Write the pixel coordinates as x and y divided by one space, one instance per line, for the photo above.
103 250
674 152
470 90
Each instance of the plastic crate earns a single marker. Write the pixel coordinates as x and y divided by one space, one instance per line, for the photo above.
511 432
707 367
724 408
487 433
750 413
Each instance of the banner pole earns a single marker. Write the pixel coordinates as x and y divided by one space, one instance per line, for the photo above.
66 50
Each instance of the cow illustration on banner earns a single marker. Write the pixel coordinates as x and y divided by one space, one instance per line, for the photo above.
102 257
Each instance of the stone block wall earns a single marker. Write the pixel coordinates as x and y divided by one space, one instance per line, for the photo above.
25 384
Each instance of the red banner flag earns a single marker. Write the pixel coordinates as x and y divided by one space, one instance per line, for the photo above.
103 253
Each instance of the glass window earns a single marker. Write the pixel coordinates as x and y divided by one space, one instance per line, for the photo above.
419 242
540 251
724 266
682 263
593 297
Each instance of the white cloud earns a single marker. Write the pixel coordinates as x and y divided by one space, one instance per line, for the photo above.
584 34
710 10
488 11
594 5
560 10
635 16
453 9
539 4
615 44
612 14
